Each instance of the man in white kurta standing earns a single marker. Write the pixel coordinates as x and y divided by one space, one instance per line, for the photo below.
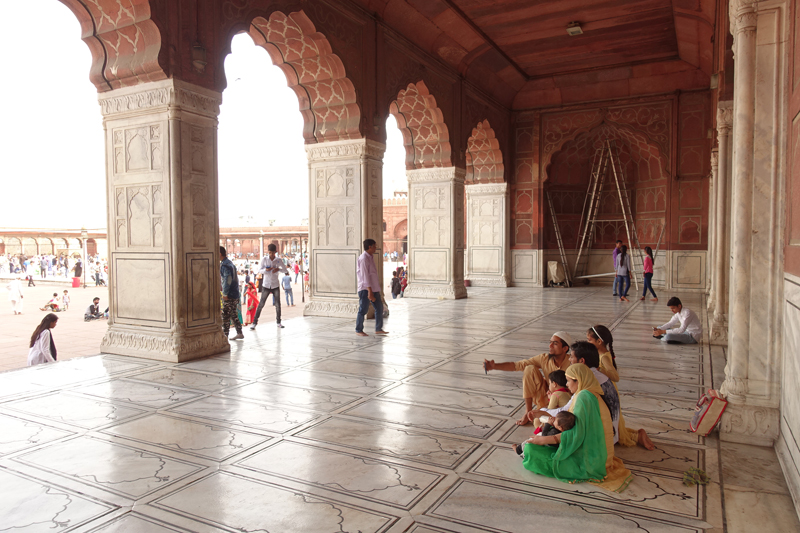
271 264
15 295
369 289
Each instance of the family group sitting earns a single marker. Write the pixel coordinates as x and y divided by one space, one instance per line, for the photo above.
572 400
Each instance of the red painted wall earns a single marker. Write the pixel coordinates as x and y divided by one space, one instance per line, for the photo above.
664 145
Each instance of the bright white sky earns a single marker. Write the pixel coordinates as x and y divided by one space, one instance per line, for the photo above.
52 136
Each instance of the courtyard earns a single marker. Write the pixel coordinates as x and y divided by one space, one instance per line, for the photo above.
314 429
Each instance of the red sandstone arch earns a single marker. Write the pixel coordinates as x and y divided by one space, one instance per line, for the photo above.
425 135
124 41
484 158
317 75
641 158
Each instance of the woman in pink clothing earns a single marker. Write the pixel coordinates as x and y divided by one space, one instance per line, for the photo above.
648 274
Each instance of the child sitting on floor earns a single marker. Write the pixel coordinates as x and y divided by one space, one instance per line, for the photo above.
53 305
551 432
558 393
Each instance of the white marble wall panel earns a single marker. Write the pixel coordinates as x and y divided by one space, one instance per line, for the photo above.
526 268
487 235
787 444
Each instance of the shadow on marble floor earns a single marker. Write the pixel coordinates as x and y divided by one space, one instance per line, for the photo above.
313 429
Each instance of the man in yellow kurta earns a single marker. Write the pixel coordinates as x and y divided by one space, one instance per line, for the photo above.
535 371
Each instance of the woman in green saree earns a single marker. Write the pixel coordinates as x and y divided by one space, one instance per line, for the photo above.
585 452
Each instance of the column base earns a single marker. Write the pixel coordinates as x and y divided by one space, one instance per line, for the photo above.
748 424
174 346
501 281
719 330
432 291
332 307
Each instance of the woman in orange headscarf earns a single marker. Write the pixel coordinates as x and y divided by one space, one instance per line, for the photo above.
252 303
585 452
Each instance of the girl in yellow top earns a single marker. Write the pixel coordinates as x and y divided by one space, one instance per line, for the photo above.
601 337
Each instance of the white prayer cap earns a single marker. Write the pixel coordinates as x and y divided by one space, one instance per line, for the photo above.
564 336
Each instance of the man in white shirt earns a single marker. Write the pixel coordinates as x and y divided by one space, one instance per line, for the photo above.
369 289
684 327
270 265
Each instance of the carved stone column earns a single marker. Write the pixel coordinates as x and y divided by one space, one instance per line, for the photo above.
346 207
721 260
435 233
712 226
752 375
163 233
487 235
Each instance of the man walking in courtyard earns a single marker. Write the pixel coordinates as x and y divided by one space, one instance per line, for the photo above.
535 371
369 289
271 264
230 295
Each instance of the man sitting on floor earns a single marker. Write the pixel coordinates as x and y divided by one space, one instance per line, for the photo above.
684 327
535 371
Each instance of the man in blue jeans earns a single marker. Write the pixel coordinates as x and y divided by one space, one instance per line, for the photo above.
286 283
684 327
369 289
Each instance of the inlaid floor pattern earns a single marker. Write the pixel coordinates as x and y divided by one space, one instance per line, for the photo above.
313 429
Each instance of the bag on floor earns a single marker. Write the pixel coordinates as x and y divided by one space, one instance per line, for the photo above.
707 413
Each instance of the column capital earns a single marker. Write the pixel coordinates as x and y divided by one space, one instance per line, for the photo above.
725 117
743 16
160 96
341 150
486 188
436 174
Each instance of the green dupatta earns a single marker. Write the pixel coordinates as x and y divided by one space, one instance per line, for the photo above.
581 456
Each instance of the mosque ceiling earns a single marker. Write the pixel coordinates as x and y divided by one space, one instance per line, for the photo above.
523 42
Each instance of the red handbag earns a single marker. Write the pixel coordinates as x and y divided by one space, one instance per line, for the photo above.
707 413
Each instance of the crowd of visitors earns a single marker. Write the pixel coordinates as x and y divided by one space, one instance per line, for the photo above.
254 283
46 266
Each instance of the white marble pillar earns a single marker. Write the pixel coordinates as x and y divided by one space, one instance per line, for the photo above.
163 233
435 233
752 375
346 207
722 227
712 226
487 235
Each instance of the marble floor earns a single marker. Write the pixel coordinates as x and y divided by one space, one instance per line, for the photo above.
313 429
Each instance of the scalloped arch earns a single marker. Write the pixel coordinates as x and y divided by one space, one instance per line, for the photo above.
425 135
484 158
125 43
327 97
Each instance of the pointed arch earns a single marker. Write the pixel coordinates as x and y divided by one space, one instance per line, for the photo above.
425 135
484 158
124 41
327 97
